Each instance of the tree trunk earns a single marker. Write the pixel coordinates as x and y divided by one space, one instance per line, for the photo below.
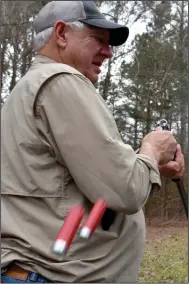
183 91
107 82
14 69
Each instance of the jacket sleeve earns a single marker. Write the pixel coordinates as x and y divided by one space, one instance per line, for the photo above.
87 137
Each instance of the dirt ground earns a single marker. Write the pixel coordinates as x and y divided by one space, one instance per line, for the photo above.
166 229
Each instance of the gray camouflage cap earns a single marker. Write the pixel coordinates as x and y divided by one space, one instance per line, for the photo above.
83 11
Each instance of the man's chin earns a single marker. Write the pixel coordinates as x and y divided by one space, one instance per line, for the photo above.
93 78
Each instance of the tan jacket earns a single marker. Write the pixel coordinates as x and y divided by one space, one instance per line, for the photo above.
60 147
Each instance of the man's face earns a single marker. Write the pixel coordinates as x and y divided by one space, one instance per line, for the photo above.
86 50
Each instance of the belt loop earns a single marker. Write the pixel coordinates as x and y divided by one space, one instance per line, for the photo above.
33 276
4 269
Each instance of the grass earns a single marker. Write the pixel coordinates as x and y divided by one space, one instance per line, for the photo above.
166 259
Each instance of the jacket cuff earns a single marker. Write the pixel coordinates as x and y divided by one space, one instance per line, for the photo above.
154 173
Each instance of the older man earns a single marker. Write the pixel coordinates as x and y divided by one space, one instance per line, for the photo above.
61 147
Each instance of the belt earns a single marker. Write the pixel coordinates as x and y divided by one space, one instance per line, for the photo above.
20 273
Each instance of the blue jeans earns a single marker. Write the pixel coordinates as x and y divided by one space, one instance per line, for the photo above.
32 277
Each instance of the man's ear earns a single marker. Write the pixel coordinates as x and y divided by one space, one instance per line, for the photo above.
60 29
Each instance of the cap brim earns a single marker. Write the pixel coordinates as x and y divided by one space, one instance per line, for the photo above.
118 33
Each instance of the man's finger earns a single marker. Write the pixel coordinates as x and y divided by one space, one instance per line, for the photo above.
178 153
159 128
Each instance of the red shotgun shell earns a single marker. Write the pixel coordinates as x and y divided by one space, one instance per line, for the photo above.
68 230
93 219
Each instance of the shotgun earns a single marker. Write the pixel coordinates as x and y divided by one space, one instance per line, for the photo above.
180 186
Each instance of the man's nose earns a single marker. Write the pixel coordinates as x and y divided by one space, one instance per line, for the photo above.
107 51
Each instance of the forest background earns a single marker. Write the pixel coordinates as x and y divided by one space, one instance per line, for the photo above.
146 80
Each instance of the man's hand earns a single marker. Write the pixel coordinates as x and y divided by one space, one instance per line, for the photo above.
174 169
160 146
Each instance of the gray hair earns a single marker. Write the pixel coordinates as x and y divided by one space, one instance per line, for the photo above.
41 39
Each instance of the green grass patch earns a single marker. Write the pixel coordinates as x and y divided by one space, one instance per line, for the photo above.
166 260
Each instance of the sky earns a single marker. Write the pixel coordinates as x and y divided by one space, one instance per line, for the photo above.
138 27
